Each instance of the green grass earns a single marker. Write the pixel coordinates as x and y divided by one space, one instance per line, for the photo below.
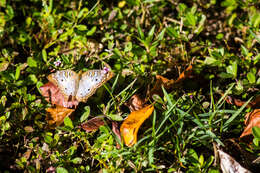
138 39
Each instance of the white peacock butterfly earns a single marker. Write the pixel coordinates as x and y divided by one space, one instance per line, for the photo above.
80 86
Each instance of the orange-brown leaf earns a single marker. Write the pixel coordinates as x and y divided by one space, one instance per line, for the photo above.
161 81
132 123
253 104
167 83
53 94
92 124
185 74
252 119
55 116
115 129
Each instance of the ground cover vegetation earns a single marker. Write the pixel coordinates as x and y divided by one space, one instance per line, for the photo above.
186 74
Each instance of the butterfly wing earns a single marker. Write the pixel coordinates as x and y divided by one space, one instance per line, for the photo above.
90 81
66 81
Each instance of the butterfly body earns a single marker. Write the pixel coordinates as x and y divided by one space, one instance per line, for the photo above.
79 86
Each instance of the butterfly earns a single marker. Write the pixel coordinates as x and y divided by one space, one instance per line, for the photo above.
79 86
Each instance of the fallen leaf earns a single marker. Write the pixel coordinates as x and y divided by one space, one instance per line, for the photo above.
185 74
229 164
92 124
27 154
161 81
53 94
135 103
167 83
252 119
132 123
116 131
253 104
55 116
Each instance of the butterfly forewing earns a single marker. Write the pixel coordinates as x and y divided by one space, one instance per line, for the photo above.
90 81
67 82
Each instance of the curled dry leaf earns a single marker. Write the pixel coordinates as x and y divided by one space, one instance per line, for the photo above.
132 123
135 103
53 94
253 104
229 164
185 74
252 119
161 81
92 124
55 116
168 84
116 131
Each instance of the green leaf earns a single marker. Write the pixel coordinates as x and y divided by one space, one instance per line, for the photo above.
251 77
201 160
161 35
254 35
210 60
61 170
32 78
2 3
85 115
232 69
227 123
91 31
140 32
128 47
48 139
82 27
68 122
44 55
244 50
150 35
191 19
17 73
256 132
84 11
115 117
31 62
77 160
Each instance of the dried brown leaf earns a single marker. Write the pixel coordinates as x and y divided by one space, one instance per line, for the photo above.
169 83
161 81
252 119
115 129
253 104
92 124
55 116
135 103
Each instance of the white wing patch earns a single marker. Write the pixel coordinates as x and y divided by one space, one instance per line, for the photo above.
66 80
89 82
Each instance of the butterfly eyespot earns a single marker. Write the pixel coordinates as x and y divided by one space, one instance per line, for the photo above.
96 79
88 89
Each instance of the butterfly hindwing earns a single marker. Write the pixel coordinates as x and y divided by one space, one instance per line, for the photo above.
66 81
90 81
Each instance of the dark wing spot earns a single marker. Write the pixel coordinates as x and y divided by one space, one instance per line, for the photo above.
96 79
88 89
61 80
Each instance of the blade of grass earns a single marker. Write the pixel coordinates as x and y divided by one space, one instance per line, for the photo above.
226 124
